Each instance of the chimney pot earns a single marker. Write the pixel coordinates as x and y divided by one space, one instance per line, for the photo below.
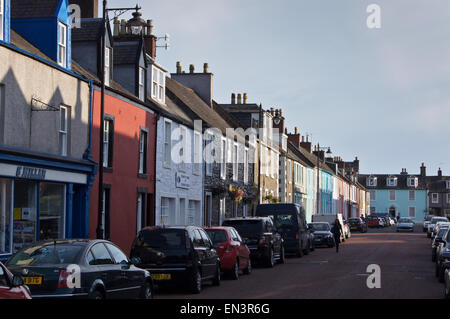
239 98
233 98
178 67
245 98
296 130
191 68
150 27
116 26
123 26
205 68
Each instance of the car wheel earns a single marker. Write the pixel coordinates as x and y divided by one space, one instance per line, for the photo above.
299 253
147 292
271 259
248 270
307 249
196 282
97 295
216 280
235 271
282 259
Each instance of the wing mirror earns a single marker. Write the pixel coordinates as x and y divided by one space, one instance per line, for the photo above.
17 281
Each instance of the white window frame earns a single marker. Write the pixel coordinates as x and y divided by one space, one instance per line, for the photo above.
392 181
183 136
2 20
143 150
158 85
161 86
235 162
63 132
392 191
412 198
209 160
197 154
106 142
413 181
62 44
223 158
447 184
107 66
246 166
141 83
167 152
371 181
433 198
409 211
140 203
373 192
165 210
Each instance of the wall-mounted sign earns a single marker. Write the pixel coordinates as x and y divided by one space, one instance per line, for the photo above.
182 180
30 172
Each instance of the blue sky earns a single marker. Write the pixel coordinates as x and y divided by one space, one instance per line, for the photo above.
380 94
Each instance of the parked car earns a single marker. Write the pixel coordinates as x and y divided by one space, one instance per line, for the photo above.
12 286
381 222
438 226
233 252
387 221
436 241
447 280
346 229
330 219
373 221
433 222
265 243
405 223
392 221
442 255
177 255
426 222
290 221
104 270
322 234
357 224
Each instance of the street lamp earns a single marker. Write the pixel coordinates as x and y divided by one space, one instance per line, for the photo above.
117 12
320 148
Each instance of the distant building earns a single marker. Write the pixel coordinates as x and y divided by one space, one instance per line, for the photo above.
438 193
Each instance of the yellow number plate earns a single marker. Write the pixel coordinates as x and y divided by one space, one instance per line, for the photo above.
161 276
32 280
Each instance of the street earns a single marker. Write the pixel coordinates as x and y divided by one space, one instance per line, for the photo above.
404 258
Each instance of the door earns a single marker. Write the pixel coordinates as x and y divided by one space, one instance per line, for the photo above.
276 237
109 272
243 252
210 262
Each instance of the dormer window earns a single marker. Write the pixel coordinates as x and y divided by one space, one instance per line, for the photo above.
107 66
141 83
1 20
392 181
371 181
62 44
447 184
158 84
413 181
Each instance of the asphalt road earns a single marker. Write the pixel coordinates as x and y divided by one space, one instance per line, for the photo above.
404 260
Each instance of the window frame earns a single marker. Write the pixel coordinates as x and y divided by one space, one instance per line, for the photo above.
392 181
107 70
409 211
246 170
167 155
62 29
413 198
437 198
235 162
196 164
63 149
143 151
392 191
108 131
141 83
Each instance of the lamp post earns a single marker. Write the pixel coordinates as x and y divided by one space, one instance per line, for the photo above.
117 12
319 148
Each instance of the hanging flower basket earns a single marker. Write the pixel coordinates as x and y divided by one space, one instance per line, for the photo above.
236 193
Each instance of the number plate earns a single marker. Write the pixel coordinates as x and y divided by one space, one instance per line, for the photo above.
161 276
32 280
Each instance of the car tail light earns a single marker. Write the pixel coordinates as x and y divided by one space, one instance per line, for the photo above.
62 281
297 236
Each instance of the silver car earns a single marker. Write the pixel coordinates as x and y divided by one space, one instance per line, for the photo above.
433 223
405 223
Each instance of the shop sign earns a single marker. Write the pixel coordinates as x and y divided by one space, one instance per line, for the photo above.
30 173
182 180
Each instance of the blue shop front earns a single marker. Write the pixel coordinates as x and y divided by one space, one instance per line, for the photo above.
42 197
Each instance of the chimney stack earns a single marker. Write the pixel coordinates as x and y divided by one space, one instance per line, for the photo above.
149 27
295 138
296 130
205 68
439 172
245 98
233 98
116 31
179 67
191 68
306 145
423 170
123 27
239 98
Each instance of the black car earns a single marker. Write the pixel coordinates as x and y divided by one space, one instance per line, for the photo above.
265 243
436 241
443 255
290 222
80 268
177 254
322 234
357 224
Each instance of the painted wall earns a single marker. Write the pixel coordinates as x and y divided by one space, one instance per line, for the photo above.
326 192
402 202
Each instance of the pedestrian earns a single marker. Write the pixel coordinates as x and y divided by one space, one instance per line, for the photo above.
337 231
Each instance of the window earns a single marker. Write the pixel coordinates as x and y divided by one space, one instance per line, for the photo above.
373 195
52 210
222 209
142 84
412 211
373 209
108 133
140 212
392 181
435 198
210 150
154 82
101 255
118 256
158 84
412 196
107 65
447 183
223 162
235 162
371 181
288 171
6 216
197 153
143 149
161 86
246 166
165 210
448 198
191 213
167 143
62 45
197 239
183 149
392 195
413 181
1 20
63 128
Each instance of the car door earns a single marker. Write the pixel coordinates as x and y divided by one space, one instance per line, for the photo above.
106 270
132 279
243 251
210 254
199 251
303 229
276 236
6 292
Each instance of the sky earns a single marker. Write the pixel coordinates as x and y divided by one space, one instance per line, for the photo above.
381 94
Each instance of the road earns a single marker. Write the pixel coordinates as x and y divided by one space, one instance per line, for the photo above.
404 260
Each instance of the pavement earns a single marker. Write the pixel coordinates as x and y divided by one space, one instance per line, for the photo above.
406 271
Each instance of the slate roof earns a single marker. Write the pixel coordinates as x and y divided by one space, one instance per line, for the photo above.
126 53
90 30
21 9
402 181
292 154
21 43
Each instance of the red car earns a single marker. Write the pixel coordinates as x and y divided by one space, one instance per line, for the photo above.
12 287
233 252
373 221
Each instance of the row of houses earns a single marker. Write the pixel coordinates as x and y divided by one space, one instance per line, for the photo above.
149 148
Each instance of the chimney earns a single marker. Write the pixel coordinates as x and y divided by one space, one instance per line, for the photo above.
191 68
233 98
116 31
239 98
205 68
245 98
423 171
295 138
89 8
123 27
296 130
179 67
439 172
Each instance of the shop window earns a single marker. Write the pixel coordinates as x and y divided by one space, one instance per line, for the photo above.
5 216
25 214
52 207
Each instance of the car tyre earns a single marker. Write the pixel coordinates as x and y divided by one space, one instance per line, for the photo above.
307 249
147 292
196 282
216 279
271 259
234 273
97 295
282 259
248 269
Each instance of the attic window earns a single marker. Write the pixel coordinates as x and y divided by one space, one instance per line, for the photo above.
158 84
413 181
392 181
141 83
447 183
62 44
372 181
107 66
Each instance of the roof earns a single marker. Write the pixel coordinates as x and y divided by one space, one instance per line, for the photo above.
126 53
22 9
292 154
402 181
90 30
23 44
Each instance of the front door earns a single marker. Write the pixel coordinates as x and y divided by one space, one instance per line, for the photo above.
208 208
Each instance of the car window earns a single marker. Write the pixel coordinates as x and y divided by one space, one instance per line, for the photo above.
205 238
118 256
3 279
268 226
217 236
101 255
90 258
235 235
198 242
165 239
45 254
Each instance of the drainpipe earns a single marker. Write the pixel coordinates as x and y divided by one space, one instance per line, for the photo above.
157 117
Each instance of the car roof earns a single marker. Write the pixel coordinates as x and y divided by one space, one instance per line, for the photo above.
179 227
247 218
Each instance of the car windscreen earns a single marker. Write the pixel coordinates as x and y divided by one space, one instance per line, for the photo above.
46 254
354 220
404 220
217 235
283 220
320 226
165 239
246 228
373 218
434 220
